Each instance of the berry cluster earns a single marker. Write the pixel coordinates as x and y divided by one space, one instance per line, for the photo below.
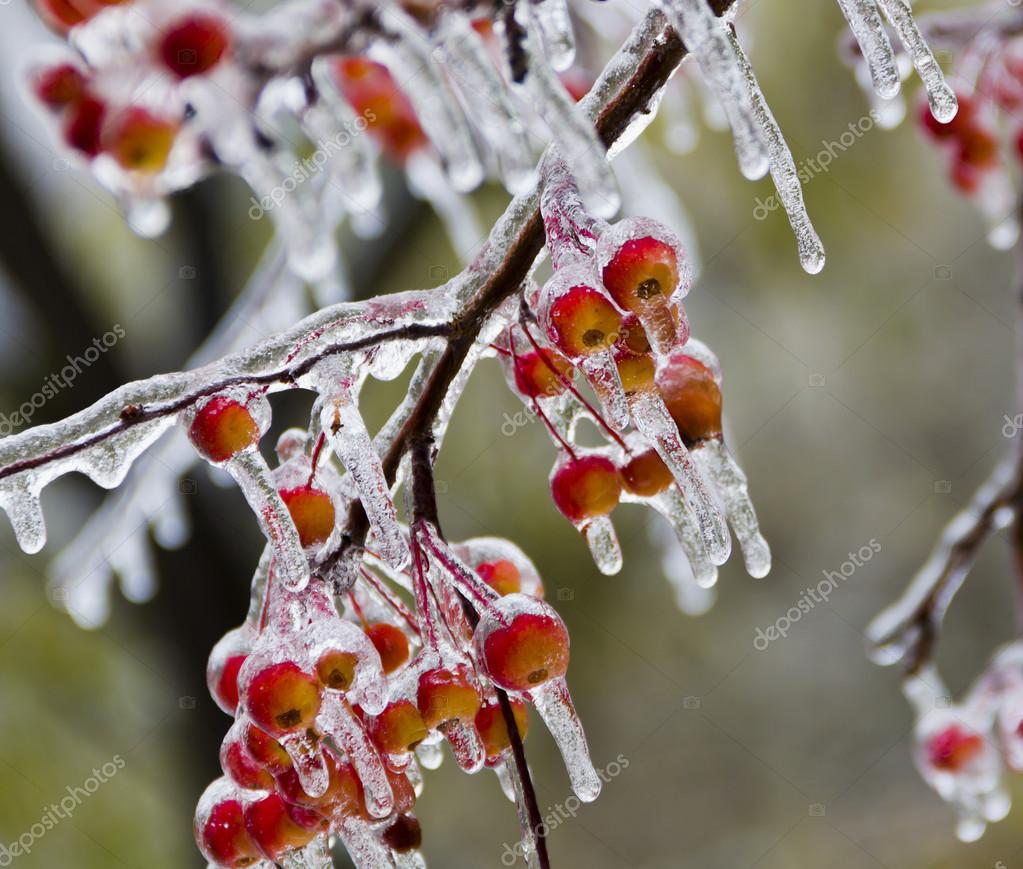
964 750
97 108
985 138
612 312
339 699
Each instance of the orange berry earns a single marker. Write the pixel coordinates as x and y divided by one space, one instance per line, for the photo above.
139 140
528 652
222 428
502 576
446 695
586 487
392 644
692 396
312 511
636 371
645 475
399 728
583 321
282 698
492 728
336 669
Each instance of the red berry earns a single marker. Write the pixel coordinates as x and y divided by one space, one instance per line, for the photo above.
492 728
277 827
540 375
445 696
528 652
370 89
59 86
343 795
965 178
978 148
312 511
645 475
226 685
692 396
399 728
586 487
62 15
952 748
962 121
583 321
392 644
222 428
642 274
242 767
83 126
139 140
266 750
502 576
282 698
193 45
224 840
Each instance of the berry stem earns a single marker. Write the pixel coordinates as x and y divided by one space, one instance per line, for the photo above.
565 445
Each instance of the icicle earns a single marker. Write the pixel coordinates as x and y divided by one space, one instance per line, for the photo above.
133 562
654 422
315 855
409 860
602 374
346 431
941 97
466 745
555 707
353 163
570 128
603 543
409 58
783 170
511 783
470 67
337 720
19 497
706 37
254 478
554 23
717 464
362 843
865 22
310 764
672 506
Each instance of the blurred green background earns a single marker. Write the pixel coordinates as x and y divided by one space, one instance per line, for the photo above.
865 403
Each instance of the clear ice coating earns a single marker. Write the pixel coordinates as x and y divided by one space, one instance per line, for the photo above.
941 97
868 28
705 35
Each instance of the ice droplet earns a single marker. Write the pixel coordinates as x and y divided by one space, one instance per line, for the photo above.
554 704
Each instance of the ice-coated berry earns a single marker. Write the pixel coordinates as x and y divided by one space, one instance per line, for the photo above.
223 428
586 487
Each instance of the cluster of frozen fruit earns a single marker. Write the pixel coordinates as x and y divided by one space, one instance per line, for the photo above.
612 313
97 114
338 700
964 750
